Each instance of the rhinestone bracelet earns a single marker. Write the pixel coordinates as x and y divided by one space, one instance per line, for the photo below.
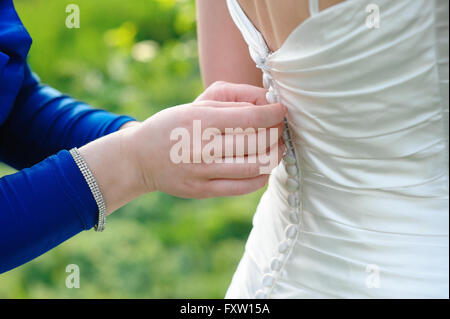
92 183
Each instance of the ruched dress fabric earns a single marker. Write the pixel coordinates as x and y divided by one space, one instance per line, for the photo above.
358 208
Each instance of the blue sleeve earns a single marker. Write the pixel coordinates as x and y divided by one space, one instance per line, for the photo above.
41 207
43 121
45 204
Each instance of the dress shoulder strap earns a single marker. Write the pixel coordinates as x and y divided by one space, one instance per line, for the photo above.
251 35
313 7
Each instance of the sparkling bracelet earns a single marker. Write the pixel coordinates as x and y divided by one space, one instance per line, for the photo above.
92 183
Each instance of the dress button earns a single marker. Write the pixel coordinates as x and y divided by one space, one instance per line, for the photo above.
289 158
271 97
267 280
286 136
260 294
283 247
291 231
291 185
291 170
275 264
293 217
267 80
292 200
259 60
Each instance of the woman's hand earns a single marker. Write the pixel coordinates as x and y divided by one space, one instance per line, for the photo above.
231 92
140 158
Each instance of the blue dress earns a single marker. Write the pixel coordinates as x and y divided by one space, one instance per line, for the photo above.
48 200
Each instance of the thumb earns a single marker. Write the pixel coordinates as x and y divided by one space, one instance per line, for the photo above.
232 92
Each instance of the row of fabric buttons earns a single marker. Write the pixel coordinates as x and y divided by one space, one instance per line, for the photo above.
293 186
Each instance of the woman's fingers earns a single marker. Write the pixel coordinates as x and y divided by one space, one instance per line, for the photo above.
216 104
246 93
241 142
245 167
231 92
261 116
235 187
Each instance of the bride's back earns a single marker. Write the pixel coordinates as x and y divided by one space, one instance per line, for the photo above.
276 19
363 190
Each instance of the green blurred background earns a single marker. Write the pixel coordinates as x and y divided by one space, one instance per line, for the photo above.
132 57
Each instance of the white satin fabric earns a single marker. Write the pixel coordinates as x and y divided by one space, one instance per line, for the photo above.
362 209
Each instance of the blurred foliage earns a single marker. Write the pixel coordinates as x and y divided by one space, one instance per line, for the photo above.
132 57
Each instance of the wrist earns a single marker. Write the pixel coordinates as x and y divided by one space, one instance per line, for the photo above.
129 124
134 147
132 152
111 164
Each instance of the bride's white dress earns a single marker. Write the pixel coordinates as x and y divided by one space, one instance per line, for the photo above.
359 205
